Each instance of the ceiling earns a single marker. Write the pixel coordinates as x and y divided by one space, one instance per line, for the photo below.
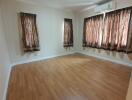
74 5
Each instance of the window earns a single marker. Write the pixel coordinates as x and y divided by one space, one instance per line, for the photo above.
68 33
29 32
93 31
112 31
116 30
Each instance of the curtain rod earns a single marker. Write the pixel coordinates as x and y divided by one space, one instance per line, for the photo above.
119 9
98 14
27 13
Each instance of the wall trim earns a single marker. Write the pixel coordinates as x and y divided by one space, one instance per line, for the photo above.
42 58
108 59
23 62
6 84
48 57
63 54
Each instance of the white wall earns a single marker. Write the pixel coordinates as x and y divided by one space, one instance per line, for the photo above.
4 62
124 3
103 54
50 28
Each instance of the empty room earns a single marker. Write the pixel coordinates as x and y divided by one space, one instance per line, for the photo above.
65 49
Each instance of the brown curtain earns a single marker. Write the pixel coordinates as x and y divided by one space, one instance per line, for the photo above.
116 26
129 44
112 32
93 31
29 32
68 33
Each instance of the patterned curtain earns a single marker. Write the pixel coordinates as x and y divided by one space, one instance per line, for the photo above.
93 26
68 33
29 32
116 30
129 44
112 32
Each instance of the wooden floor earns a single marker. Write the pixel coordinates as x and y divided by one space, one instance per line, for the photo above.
129 93
72 77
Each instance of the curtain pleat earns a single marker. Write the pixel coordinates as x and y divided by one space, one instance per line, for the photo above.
112 31
68 33
129 44
116 30
93 31
29 32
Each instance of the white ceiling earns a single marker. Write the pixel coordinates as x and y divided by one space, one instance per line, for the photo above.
74 5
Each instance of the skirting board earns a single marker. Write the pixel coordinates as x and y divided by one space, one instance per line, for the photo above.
129 92
42 58
6 84
105 58
100 57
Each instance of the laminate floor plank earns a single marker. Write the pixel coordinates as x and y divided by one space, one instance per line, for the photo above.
71 77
